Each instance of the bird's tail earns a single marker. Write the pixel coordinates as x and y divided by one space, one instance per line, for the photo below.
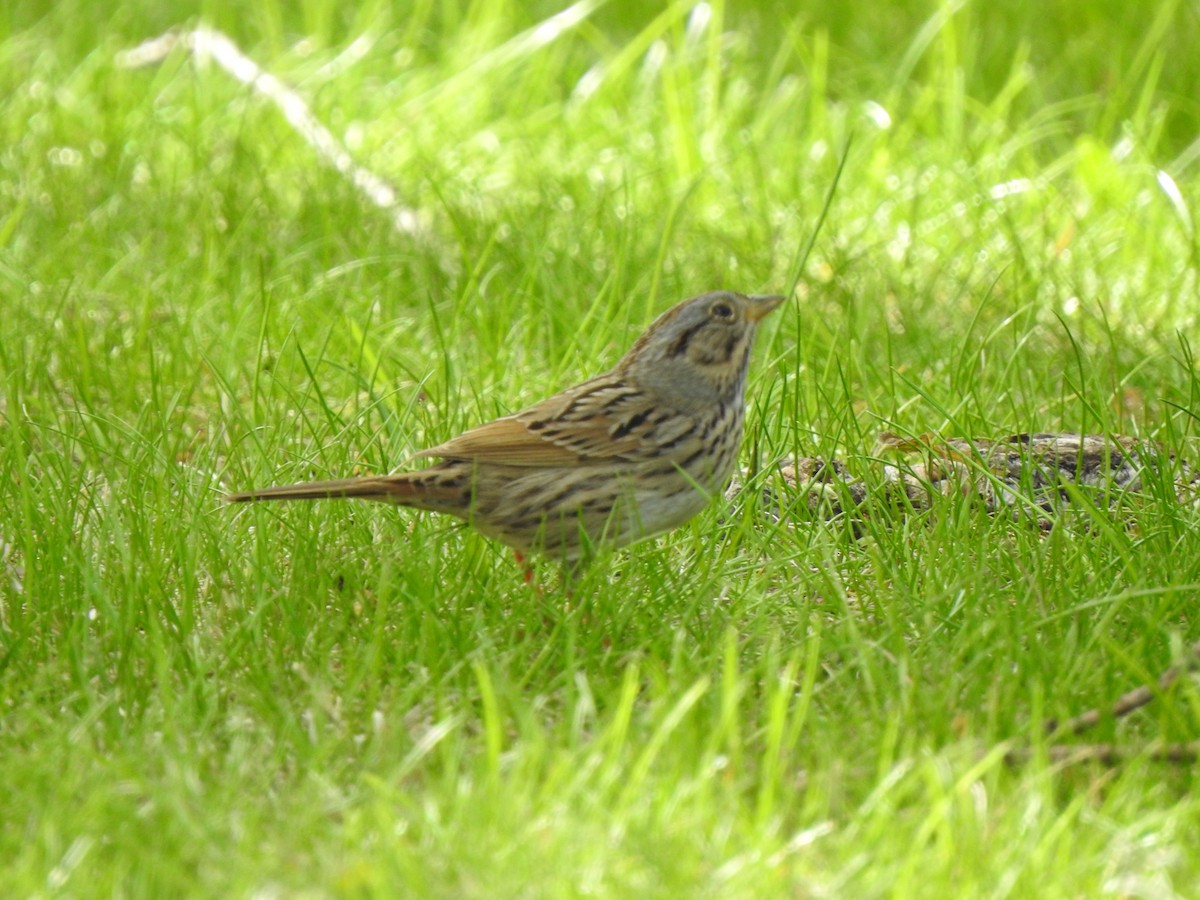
405 489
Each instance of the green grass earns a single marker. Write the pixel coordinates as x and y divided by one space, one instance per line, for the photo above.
339 699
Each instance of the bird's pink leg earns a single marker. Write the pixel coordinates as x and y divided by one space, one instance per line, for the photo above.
525 565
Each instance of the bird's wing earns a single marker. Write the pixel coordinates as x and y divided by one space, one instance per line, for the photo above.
600 420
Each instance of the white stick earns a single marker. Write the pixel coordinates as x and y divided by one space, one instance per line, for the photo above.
207 43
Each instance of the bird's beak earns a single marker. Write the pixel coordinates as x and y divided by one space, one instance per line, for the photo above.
761 304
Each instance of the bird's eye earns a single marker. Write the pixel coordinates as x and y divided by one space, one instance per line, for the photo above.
722 311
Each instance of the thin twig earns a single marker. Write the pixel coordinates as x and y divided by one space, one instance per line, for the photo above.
1112 754
1107 754
1126 703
